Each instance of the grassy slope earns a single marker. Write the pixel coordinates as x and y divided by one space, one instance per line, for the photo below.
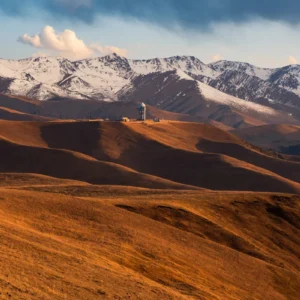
124 243
189 153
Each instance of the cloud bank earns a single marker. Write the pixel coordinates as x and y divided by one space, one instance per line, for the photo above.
67 44
191 14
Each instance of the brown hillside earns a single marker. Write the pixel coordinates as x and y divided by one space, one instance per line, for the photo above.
154 149
27 179
76 109
139 244
74 165
281 138
13 115
187 153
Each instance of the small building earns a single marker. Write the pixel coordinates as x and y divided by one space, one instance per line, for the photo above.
142 111
124 119
156 120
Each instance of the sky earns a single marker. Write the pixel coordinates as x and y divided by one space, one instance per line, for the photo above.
265 33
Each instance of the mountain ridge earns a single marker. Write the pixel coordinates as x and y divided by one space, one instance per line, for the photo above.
106 78
8 68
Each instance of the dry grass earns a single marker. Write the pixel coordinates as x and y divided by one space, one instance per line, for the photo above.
63 236
172 155
131 243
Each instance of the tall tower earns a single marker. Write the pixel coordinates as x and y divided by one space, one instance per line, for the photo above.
142 110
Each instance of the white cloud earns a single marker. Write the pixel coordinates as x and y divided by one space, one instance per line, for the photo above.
217 57
35 40
292 60
67 44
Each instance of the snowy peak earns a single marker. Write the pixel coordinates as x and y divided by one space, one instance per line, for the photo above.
89 78
109 63
219 97
182 63
287 77
224 65
72 82
50 70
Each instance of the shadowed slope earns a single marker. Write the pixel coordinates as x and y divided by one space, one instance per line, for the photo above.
171 150
180 152
13 115
74 165
82 109
282 138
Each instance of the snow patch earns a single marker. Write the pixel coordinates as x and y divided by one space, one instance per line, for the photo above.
216 96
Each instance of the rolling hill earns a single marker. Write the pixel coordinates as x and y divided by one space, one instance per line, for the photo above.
14 115
177 153
70 240
280 138
144 210
81 109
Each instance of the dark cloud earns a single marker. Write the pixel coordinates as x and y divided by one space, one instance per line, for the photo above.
191 14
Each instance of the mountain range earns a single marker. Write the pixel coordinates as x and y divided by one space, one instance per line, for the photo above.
233 93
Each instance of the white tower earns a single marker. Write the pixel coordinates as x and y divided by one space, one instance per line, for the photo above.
142 111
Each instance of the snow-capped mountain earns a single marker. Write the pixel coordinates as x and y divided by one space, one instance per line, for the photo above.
177 92
113 78
97 78
252 88
224 65
188 64
271 84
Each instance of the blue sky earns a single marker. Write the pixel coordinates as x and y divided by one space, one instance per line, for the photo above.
268 37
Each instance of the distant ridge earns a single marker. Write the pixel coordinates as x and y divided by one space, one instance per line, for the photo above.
281 138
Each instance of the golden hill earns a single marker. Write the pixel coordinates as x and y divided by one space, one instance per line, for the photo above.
111 210
78 241
175 152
